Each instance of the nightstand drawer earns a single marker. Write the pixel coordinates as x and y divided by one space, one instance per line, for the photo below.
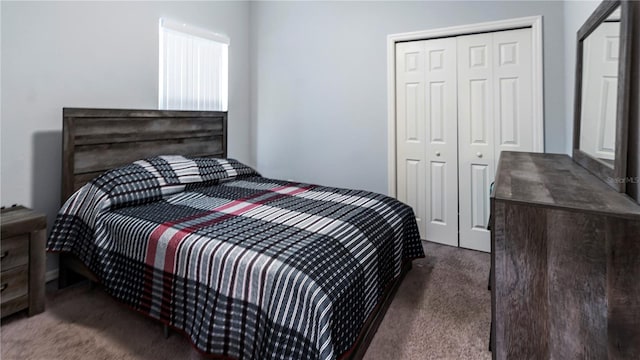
14 251
14 283
22 248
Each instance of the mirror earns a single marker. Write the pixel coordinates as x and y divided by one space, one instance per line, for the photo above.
601 108
600 51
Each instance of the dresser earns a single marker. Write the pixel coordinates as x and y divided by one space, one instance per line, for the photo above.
565 261
22 249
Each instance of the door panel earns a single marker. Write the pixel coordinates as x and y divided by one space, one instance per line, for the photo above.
479 196
477 119
606 123
412 120
475 137
497 81
508 130
414 185
441 148
410 128
427 135
438 198
600 81
513 96
436 111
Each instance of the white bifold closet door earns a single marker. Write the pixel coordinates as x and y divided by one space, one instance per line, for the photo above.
494 113
460 101
427 154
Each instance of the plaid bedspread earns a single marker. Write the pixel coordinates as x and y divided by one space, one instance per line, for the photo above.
247 267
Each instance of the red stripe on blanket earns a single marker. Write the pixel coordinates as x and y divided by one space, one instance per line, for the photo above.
178 237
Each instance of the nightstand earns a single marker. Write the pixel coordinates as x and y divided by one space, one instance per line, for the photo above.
22 251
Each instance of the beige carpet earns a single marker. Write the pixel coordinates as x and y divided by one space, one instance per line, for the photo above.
441 311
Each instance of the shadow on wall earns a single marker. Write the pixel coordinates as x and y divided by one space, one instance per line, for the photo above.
47 164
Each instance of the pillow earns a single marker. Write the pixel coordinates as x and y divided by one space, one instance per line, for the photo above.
141 182
154 178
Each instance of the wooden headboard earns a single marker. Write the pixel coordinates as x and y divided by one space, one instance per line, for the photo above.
96 140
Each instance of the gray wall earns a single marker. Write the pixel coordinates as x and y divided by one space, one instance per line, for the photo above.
319 85
308 84
94 54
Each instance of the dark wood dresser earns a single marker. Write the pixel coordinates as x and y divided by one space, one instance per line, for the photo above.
22 250
565 261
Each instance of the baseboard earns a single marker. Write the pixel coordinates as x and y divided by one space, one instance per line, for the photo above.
51 275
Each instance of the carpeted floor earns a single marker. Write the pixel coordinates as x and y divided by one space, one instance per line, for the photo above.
441 311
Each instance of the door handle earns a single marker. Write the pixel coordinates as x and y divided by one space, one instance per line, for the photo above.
479 154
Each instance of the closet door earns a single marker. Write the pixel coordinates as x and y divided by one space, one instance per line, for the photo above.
426 106
495 107
442 141
460 101
410 128
475 137
513 91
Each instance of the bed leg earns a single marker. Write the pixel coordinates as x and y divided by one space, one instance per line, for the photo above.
166 330
67 277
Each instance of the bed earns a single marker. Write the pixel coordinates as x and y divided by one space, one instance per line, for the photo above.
245 266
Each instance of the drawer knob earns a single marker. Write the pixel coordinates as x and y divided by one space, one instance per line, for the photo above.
3 287
4 255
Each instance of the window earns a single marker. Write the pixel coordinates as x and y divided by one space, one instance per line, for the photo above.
194 66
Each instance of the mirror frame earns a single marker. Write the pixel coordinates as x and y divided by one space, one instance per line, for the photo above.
614 177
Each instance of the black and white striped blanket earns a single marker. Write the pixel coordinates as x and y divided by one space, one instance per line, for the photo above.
247 267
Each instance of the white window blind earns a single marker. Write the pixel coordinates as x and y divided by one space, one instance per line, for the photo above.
194 66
